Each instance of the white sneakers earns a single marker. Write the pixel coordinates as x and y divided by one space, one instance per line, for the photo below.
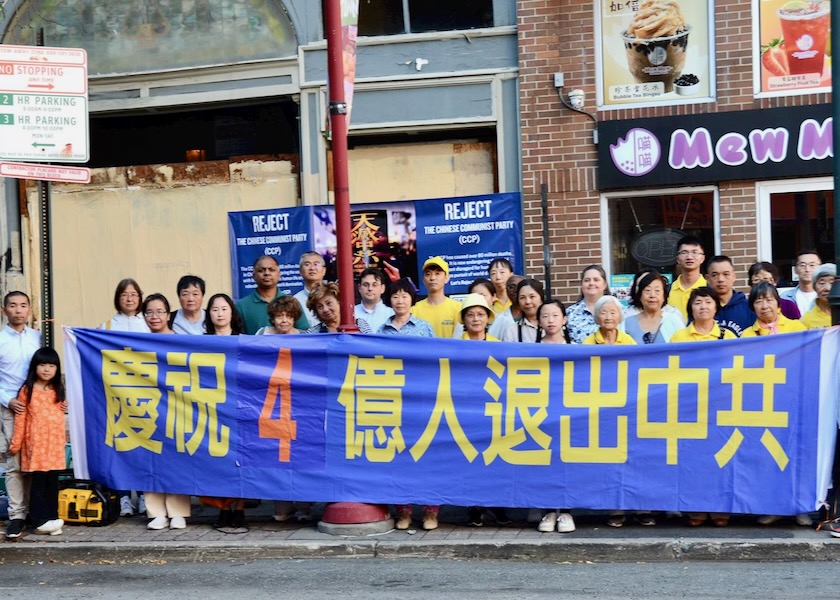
50 527
563 522
126 507
159 523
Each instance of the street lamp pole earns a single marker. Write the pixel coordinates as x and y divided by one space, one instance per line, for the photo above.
834 295
341 178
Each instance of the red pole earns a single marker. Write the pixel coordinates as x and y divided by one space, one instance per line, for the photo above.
341 179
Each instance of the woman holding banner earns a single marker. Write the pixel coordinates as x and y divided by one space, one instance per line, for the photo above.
649 319
529 295
165 510
703 306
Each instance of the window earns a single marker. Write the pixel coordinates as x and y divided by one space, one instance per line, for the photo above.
793 216
644 230
389 17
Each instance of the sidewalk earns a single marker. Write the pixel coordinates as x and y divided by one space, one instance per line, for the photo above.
128 540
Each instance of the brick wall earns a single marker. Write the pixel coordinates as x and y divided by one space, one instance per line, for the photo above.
557 148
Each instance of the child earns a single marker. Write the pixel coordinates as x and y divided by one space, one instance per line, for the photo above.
40 439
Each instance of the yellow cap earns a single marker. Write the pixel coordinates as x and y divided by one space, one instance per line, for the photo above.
471 300
438 262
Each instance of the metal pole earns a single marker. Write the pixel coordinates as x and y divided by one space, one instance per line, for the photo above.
46 254
834 295
341 179
546 242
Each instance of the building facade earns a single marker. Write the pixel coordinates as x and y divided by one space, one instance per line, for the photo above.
738 155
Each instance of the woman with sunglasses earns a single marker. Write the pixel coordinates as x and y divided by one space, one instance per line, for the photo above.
647 321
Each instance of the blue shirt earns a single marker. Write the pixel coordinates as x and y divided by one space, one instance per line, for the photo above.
16 350
414 326
376 317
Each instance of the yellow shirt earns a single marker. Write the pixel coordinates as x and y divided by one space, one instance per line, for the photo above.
442 317
488 338
784 325
499 307
678 296
816 319
623 339
690 334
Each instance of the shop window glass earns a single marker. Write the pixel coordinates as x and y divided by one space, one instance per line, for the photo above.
800 220
388 17
127 36
644 231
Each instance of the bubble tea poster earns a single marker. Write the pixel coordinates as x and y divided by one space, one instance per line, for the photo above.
793 47
655 52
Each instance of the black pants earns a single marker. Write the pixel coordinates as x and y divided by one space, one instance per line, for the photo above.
43 497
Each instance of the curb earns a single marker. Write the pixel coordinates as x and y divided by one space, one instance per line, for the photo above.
640 550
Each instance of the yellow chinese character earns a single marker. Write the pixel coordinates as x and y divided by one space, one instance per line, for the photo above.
132 398
527 391
444 408
672 430
188 393
739 376
372 399
594 400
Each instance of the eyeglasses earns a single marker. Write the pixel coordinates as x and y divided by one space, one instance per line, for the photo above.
807 265
155 313
129 296
690 253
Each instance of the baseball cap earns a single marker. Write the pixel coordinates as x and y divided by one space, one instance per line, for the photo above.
436 261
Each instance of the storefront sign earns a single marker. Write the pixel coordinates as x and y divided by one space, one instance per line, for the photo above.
793 55
468 232
654 52
752 144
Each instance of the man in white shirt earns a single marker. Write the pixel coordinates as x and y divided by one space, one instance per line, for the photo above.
312 269
371 308
18 342
804 294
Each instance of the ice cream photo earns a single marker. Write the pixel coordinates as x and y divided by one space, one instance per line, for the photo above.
656 42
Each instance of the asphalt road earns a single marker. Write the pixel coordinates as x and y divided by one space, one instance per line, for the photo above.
351 579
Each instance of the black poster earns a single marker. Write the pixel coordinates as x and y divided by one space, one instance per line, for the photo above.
725 146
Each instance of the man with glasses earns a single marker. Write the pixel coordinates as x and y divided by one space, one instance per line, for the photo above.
690 258
371 309
804 294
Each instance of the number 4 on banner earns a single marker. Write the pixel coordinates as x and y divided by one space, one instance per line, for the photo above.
282 428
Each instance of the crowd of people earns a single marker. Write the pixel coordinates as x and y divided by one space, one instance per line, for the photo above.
505 306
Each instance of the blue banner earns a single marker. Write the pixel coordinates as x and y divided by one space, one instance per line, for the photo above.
468 232
730 426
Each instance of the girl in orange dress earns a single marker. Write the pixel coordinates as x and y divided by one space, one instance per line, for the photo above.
40 438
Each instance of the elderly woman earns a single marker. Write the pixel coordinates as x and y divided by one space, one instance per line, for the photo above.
476 315
283 313
819 317
703 307
165 510
325 304
765 302
581 314
650 322
608 315
530 296
765 271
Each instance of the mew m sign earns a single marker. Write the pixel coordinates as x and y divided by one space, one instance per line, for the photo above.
43 104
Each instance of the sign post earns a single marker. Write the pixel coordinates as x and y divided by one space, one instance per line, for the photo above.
43 104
